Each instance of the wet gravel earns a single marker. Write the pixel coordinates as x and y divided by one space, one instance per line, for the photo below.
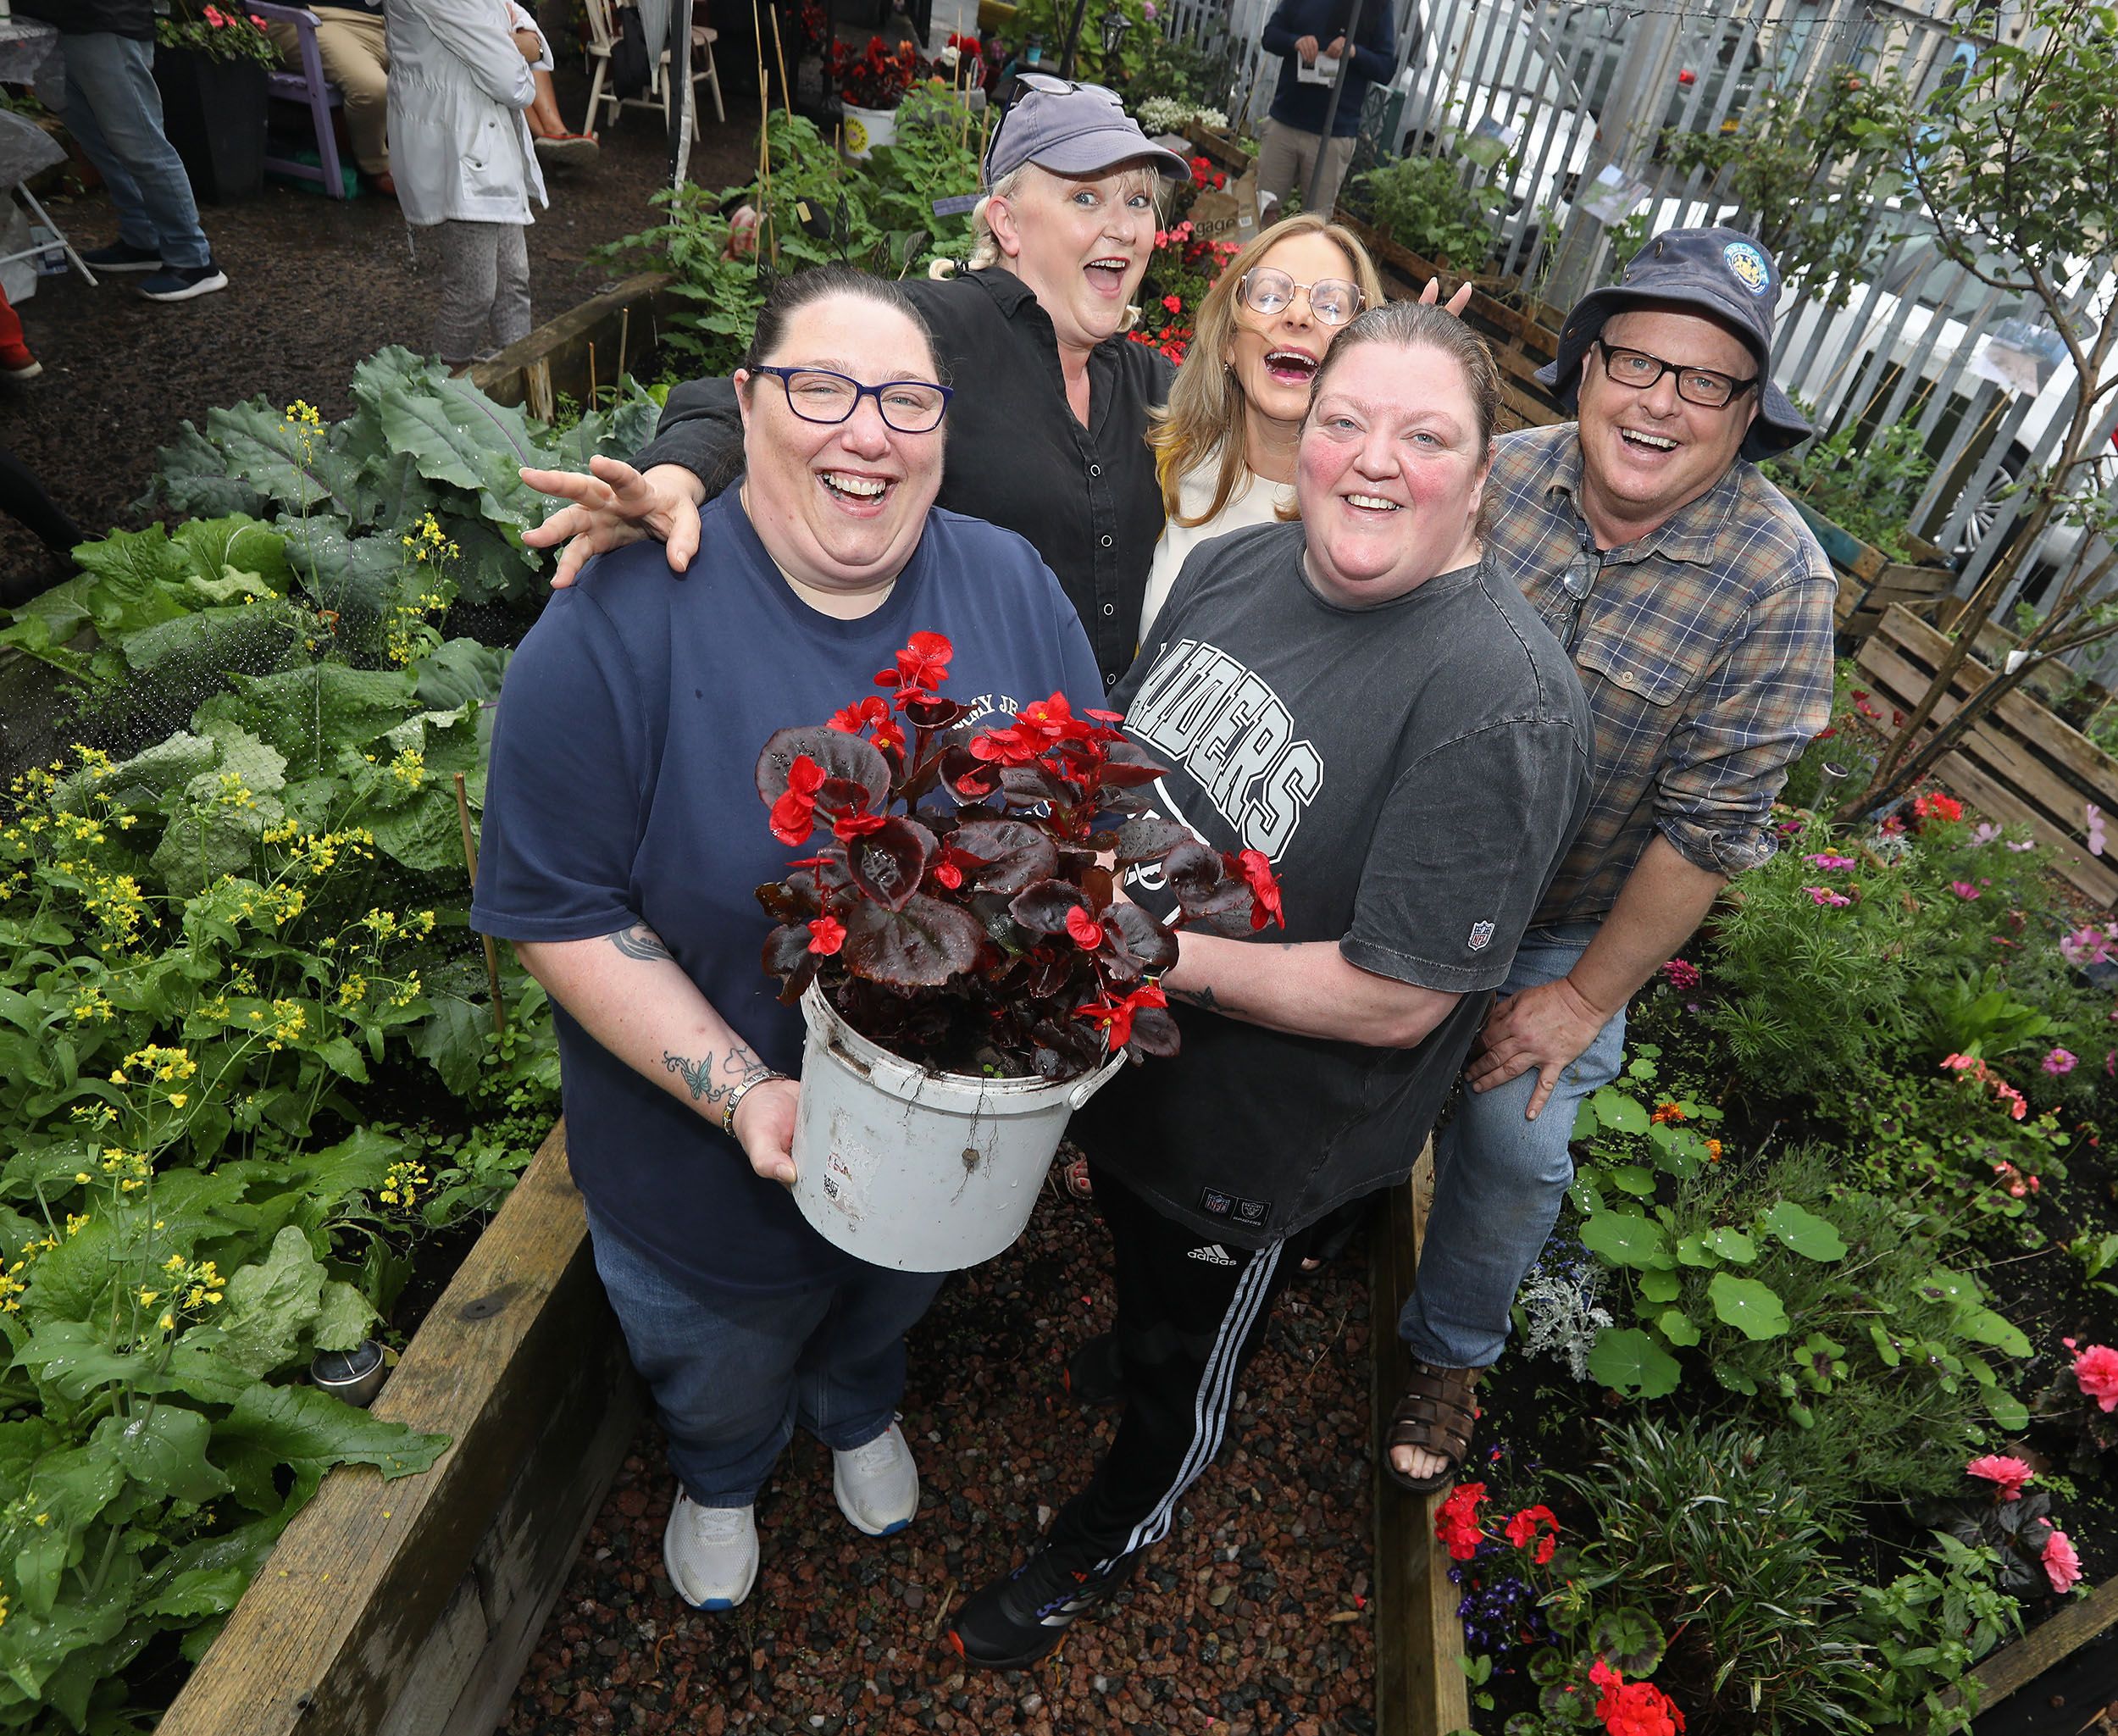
1252 1618
315 285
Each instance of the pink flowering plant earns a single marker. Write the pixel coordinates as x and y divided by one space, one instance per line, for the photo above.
218 32
2082 1397
2034 1556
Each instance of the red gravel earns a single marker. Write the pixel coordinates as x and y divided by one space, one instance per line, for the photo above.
1252 1617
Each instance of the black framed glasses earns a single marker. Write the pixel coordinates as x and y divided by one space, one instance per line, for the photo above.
818 395
1332 300
1695 386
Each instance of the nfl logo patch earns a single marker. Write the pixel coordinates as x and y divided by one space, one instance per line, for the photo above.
1480 934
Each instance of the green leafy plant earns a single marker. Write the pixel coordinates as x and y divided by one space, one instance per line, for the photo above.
1865 481
1926 1629
1421 203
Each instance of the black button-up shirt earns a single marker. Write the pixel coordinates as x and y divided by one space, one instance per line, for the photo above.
1084 498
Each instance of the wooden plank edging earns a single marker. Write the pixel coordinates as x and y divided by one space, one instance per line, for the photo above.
618 326
2023 1660
1420 1686
358 1621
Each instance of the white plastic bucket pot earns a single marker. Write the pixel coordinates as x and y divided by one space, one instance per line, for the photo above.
866 128
919 1171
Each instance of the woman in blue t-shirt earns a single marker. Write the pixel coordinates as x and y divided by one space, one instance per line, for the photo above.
623 841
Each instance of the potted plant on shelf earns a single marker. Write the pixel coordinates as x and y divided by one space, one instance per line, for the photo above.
871 84
210 65
968 969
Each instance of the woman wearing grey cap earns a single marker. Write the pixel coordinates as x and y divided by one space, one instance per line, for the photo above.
1048 432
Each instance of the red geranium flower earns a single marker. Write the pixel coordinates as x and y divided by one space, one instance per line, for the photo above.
1174 304
1456 1522
794 815
827 934
1633 1708
1525 1526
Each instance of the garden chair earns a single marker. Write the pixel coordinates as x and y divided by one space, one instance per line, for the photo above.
315 93
603 38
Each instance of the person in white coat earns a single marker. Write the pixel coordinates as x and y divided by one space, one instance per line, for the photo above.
465 167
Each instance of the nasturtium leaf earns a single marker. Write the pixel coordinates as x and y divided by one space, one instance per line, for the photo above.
1732 1245
1675 1326
1585 1121
1696 1250
1635 1179
1618 1113
1621 1239
1660 1286
163 1448
1626 1359
1802 1231
1751 1307
1983 1326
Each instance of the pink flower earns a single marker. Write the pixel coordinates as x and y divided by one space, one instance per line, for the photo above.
2026 844
1829 863
2096 1372
1964 889
2010 1474
1824 895
2090 945
2059 1062
1985 833
1683 976
2062 1565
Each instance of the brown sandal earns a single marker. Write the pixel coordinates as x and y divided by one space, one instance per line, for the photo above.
1436 1415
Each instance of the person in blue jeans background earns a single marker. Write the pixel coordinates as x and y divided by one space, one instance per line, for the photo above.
115 113
1697 608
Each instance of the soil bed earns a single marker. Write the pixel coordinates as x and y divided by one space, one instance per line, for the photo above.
1252 1617
315 284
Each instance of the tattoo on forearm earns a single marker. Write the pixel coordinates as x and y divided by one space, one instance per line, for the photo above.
1202 997
737 1067
641 941
697 1076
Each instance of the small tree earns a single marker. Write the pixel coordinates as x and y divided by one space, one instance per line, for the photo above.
2016 165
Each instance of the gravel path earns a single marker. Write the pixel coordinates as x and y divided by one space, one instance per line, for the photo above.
315 285
1251 1620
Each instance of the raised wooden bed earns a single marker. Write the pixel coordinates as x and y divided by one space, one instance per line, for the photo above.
1420 1686
410 1608
2018 763
1870 581
585 349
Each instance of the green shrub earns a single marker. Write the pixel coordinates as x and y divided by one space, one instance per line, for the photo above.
1421 203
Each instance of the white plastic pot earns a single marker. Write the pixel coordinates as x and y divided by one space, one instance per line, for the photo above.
919 1171
866 128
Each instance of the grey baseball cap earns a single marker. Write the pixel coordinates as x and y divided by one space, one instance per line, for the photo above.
1721 272
1073 128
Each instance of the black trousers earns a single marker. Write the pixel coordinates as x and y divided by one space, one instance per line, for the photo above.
1191 1313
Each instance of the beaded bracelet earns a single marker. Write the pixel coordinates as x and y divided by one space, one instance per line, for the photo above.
735 1097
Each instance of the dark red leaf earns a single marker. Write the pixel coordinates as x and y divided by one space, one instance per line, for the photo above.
792 900
839 754
1149 837
1154 1032
888 862
921 946
1043 907
1012 853
1145 940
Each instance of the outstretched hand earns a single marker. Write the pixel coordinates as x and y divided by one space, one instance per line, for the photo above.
1457 302
614 505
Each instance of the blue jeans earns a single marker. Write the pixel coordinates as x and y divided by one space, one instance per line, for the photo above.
113 109
1499 1178
732 1375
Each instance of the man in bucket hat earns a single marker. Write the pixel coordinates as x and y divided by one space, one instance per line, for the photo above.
1697 607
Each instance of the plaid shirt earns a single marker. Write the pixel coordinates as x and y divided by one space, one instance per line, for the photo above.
1705 647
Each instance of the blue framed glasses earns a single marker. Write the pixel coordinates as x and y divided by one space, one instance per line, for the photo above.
818 395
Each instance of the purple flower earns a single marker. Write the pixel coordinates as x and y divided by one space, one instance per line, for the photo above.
1824 895
1964 889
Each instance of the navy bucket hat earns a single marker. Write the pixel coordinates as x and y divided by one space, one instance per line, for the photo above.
1721 272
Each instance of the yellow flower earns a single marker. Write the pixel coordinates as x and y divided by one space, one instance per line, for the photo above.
174 1263
178 1099
148 1298
167 1322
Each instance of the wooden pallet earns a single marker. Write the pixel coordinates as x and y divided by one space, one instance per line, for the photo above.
2019 763
1420 1686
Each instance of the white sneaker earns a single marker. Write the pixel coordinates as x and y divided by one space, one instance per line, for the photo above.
877 1484
710 1553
